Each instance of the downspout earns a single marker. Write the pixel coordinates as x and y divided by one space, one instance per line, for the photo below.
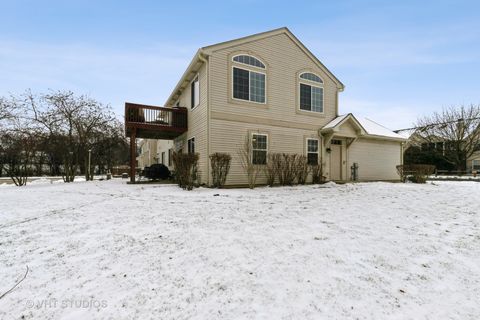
202 58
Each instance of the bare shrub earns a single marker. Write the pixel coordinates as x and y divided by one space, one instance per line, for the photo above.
287 173
272 168
301 169
220 163
317 174
186 169
252 170
416 173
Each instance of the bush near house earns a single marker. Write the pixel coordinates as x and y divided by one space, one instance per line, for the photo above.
220 163
416 173
302 169
157 171
317 174
186 169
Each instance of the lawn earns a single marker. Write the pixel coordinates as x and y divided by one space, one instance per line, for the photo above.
107 250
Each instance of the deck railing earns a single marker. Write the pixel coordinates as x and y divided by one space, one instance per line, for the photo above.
139 115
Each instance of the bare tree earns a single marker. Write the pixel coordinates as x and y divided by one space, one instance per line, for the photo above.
453 133
18 144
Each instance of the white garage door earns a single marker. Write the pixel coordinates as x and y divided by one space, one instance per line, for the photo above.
377 160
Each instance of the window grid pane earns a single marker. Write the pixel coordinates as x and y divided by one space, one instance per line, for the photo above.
259 146
310 76
305 97
240 84
257 87
249 60
317 99
312 159
312 145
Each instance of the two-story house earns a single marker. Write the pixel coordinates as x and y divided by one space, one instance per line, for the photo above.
270 89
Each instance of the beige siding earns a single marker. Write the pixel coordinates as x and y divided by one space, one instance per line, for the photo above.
377 159
229 136
147 153
284 61
162 147
347 130
197 122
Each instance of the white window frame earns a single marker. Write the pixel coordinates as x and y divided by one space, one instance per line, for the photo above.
266 148
318 148
196 92
188 145
249 68
311 84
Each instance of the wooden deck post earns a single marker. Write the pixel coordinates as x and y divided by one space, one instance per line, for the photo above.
133 154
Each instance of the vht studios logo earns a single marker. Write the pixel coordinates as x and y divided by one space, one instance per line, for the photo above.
66 304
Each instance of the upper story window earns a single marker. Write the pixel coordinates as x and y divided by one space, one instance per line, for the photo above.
195 92
252 61
311 92
248 79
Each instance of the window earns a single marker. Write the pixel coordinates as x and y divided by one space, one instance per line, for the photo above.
310 76
259 148
191 145
249 60
195 92
311 92
163 157
312 151
476 165
249 84
169 157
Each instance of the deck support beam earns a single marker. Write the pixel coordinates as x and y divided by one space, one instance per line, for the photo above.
133 154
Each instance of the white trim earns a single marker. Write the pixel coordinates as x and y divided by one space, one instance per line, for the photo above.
266 148
318 148
310 83
254 70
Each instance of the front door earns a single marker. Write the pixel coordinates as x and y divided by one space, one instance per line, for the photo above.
336 160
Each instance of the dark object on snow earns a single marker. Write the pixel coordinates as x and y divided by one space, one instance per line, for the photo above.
157 171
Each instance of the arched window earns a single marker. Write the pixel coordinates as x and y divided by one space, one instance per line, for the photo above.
311 92
249 60
249 82
311 76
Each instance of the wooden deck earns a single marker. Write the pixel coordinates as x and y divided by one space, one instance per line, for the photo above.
151 122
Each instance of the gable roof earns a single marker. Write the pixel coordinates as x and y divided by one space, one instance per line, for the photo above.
370 127
262 35
203 52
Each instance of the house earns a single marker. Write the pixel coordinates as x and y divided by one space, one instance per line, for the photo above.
155 151
270 90
433 149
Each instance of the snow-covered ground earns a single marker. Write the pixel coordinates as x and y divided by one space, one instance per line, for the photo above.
107 250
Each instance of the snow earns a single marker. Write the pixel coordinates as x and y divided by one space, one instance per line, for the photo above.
332 124
370 126
107 250
376 129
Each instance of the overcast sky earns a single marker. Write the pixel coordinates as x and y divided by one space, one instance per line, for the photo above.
397 59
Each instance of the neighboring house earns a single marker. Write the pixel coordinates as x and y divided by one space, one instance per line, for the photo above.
270 89
432 150
473 162
155 151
